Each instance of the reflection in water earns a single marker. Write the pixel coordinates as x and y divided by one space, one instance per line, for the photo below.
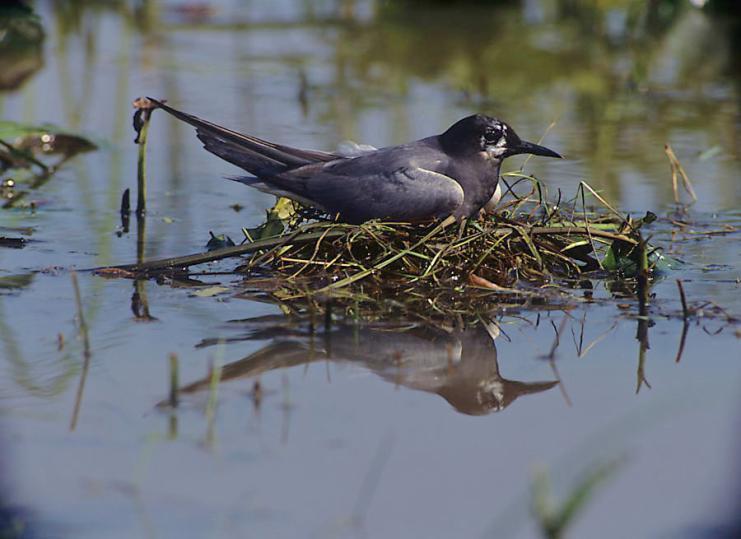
21 50
619 85
460 366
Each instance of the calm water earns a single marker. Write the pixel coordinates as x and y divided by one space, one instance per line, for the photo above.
347 440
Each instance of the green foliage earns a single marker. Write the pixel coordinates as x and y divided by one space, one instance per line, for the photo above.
218 242
555 519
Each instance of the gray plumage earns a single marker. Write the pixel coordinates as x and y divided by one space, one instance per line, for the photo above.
455 173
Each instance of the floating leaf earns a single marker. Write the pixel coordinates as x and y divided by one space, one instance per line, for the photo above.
218 242
647 219
623 259
284 209
210 291
275 224
662 263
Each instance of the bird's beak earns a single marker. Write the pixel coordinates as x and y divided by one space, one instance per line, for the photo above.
535 149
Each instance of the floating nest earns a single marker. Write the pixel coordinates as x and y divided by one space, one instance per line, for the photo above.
526 256
529 254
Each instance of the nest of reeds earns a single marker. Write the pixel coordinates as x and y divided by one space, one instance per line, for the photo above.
448 267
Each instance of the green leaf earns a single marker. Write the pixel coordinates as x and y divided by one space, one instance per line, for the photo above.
621 258
624 259
275 223
555 521
218 242
661 263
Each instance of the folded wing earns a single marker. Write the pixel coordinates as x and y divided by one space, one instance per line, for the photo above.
405 194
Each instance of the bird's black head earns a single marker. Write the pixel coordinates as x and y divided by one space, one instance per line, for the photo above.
480 133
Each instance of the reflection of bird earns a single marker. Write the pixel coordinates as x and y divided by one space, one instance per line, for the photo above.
455 173
460 366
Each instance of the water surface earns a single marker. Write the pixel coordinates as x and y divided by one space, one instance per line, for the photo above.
368 430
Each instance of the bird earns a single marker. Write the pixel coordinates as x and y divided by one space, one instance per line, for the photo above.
454 173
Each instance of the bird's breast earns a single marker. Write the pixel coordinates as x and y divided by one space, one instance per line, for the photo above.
479 181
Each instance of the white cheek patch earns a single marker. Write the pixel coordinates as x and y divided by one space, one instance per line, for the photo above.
498 149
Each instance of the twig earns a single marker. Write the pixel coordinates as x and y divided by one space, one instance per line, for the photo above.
551 357
685 309
606 204
301 236
364 273
643 322
682 341
678 170
86 354
217 254
174 383
372 478
686 324
214 376
140 303
126 202
586 220
144 108
125 211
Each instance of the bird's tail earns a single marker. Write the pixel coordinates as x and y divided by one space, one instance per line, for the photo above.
256 156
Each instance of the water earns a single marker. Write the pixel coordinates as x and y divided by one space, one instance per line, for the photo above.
353 440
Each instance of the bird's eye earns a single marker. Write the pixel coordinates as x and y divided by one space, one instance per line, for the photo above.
491 136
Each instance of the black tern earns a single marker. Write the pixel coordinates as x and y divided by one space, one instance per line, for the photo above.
454 173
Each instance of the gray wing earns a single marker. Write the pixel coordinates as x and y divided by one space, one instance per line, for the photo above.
255 155
404 194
